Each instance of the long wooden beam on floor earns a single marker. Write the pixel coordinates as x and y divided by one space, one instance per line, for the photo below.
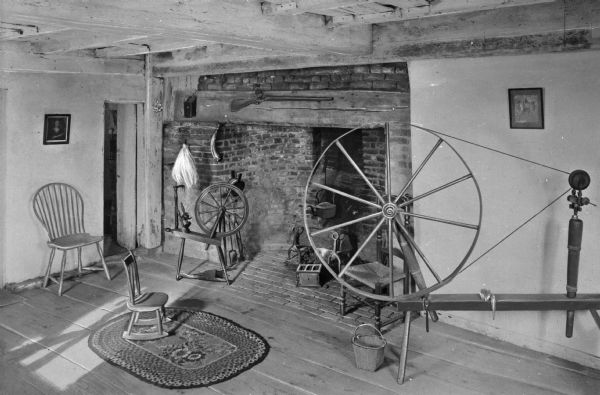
505 302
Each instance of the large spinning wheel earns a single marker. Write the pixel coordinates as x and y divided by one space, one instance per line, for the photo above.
394 210
221 210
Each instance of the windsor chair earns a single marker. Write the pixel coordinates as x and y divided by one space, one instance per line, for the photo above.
60 209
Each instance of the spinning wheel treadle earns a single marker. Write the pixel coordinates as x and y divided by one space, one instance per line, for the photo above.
221 210
391 213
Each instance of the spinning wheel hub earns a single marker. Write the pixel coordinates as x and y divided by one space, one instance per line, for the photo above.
221 210
389 210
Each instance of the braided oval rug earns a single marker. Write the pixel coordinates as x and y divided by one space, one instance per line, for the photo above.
201 349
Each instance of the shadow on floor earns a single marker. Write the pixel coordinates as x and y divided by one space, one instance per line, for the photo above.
111 247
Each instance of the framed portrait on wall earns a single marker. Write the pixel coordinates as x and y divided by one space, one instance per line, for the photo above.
57 128
526 108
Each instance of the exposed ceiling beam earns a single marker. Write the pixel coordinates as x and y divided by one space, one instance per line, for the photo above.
197 19
554 17
520 45
505 31
13 59
439 8
211 54
77 39
16 30
142 47
12 30
326 7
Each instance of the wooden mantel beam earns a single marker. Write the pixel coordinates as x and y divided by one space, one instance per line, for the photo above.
230 22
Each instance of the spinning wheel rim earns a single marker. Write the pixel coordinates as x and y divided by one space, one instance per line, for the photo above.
389 212
221 209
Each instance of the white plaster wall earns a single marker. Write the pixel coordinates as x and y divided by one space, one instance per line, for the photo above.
30 164
468 98
3 176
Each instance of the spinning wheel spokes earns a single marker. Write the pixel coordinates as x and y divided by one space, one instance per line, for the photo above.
347 195
359 171
329 229
221 209
435 190
421 166
442 220
403 232
391 216
362 246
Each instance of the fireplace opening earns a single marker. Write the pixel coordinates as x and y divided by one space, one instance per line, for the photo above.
276 162
346 162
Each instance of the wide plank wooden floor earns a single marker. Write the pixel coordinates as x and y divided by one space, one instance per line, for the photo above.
43 340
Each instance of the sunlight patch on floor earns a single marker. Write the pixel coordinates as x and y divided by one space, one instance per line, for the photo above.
116 305
96 315
25 343
63 371
60 373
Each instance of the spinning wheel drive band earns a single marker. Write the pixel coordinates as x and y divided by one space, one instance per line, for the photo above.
389 214
221 210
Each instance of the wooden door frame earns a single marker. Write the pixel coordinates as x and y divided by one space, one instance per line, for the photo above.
148 169
126 184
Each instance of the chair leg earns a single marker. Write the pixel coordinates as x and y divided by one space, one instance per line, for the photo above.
52 252
131 321
62 272
103 262
342 301
222 259
159 322
378 291
79 265
164 314
136 320
378 315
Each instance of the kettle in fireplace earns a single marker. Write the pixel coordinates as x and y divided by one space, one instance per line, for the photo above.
323 209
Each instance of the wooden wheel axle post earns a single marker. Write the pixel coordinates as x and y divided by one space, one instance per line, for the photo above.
578 180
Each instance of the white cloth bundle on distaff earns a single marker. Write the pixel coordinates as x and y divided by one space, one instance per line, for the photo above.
184 171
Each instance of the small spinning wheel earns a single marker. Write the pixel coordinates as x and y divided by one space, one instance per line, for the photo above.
393 211
221 210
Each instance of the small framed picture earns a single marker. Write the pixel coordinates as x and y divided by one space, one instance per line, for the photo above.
526 108
57 128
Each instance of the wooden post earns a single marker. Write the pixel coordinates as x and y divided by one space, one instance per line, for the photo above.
149 166
404 350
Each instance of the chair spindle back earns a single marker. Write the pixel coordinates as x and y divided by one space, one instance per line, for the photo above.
59 207
133 278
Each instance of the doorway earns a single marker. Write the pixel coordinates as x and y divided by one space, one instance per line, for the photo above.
120 136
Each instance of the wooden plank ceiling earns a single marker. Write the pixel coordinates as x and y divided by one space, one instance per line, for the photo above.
242 35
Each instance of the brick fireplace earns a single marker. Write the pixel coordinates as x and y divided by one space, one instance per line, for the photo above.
275 160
